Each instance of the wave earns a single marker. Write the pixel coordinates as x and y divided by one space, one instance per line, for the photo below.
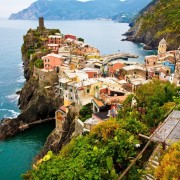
10 113
13 97
21 67
21 79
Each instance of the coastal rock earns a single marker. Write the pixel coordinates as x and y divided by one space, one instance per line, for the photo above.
35 105
156 21
34 102
9 127
58 138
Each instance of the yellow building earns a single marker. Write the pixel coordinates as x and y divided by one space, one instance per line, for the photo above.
162 46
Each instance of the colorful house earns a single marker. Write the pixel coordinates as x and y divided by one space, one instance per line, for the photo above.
52 61
70 36
55 39
92 72
113 68
135 71
170 65
53 48
151 60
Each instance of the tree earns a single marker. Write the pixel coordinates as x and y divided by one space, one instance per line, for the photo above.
85 112
170 164
39 63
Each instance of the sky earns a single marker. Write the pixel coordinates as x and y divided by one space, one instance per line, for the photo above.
7 7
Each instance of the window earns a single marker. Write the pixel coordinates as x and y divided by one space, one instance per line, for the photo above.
88 90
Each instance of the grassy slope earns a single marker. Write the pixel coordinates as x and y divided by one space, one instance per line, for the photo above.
158 21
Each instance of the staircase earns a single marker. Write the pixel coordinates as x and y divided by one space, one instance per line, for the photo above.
152 164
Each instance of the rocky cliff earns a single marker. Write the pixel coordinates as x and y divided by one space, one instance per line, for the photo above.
160 19
58 138
35 103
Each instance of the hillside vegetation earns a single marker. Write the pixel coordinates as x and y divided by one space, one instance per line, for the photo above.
160 19
111 146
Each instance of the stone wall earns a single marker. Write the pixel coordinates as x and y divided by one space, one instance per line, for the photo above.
43 75
79 126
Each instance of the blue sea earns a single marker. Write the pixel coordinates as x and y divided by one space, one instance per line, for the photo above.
16 154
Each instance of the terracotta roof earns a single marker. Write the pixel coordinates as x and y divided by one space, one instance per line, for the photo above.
62 108
99 103
120 98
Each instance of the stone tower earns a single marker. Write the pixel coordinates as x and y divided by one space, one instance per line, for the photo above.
162 46
41 23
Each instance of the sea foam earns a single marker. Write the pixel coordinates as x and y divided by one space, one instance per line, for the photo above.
13 97
10 113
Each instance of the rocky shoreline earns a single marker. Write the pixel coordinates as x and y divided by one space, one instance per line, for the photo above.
37 105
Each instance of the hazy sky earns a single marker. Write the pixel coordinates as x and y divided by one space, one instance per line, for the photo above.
8 7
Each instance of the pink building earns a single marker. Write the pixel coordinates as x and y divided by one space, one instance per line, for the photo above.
51 61
54 39
70 36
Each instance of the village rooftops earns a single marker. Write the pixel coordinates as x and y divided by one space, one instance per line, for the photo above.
114 99
117 88
88 69
64 49
122 82
138 81
87 82
128 63
64 80
81 75
99 103
53 45
53 55
86 100
55 36
108 80
133 67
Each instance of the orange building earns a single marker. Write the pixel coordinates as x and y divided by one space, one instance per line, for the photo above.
51 61
114 67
